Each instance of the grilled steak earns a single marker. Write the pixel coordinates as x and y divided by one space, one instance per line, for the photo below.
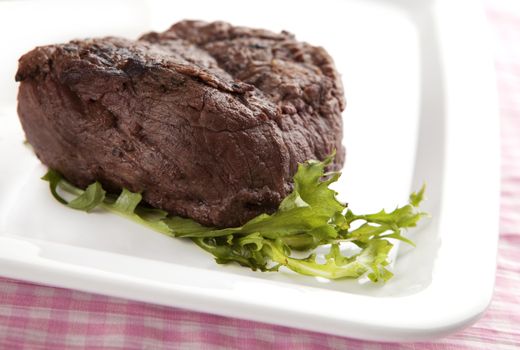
207 120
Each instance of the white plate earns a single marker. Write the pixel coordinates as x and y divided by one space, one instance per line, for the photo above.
421 108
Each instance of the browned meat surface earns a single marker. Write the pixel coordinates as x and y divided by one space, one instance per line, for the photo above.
207 120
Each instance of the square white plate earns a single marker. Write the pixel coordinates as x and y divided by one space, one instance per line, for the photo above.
421 108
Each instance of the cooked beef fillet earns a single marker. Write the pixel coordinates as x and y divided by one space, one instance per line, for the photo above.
207 120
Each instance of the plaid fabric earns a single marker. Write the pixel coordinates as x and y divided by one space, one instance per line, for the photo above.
38 317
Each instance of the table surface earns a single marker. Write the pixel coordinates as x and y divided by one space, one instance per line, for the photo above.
40 317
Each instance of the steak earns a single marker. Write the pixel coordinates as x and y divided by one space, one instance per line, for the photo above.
207 120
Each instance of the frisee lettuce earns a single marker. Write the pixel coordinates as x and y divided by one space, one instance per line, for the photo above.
309 217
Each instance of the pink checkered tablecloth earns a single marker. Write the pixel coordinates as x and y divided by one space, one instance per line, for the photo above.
38 317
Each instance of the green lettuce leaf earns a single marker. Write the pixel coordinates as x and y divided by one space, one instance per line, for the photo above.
54 178
126 204
91 198
309 217
386 225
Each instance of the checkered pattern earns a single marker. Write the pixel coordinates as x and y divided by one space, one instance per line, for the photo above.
38 317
